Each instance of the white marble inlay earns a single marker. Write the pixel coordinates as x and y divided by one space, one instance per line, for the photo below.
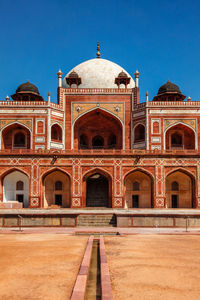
139 145
39 139
139 114
153 147
155 139
58 114
39 147
57 145
174 112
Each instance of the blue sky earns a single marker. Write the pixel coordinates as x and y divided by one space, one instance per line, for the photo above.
159 38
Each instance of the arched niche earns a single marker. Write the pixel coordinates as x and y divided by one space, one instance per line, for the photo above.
180 137
138 190
56 133
98 123
180 190
56 189
16 188
16 136
83 141
112 141
97 142
139 133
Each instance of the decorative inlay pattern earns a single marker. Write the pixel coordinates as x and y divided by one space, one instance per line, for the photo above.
26 122
80 108
190 122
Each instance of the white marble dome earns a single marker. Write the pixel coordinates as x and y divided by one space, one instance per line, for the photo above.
98 73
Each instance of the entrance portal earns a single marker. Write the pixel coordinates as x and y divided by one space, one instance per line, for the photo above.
97 191
174 201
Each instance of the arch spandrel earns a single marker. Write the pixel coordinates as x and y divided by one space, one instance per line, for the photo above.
188 122
81 108
7 122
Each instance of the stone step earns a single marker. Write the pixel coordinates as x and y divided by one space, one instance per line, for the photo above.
96 220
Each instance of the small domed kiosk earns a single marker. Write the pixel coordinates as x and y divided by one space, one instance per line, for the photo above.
169 92
27 92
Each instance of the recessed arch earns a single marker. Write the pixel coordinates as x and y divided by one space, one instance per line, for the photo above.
139 133
184 195
9 132
11 190
50 194
97 188
97 122
56 133
142 196
189 136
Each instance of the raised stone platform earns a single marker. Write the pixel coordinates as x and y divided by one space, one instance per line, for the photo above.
99 217
11 204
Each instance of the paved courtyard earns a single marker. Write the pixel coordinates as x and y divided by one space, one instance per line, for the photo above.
158 267
39 266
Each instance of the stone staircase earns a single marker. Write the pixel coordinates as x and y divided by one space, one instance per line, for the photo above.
100 220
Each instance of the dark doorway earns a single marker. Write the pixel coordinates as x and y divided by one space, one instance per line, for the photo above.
174 201
19 140
176 140
20 198
135 199
97 191
58 200
97 142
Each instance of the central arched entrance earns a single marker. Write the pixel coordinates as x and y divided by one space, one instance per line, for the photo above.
97 191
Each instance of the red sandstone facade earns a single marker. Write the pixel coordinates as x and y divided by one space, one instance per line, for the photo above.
100 147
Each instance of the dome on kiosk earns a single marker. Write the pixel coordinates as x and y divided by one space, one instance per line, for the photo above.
27 87
169 87
98 73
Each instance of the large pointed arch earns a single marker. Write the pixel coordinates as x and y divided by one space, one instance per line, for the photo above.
12 191
143 197
184 196
180 126
98 122
6 134
104 175
51 195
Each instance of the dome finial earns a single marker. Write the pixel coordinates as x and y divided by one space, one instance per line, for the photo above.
98 51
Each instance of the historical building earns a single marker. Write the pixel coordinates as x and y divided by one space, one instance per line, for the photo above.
98 146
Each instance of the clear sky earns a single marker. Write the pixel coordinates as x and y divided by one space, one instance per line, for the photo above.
160 38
